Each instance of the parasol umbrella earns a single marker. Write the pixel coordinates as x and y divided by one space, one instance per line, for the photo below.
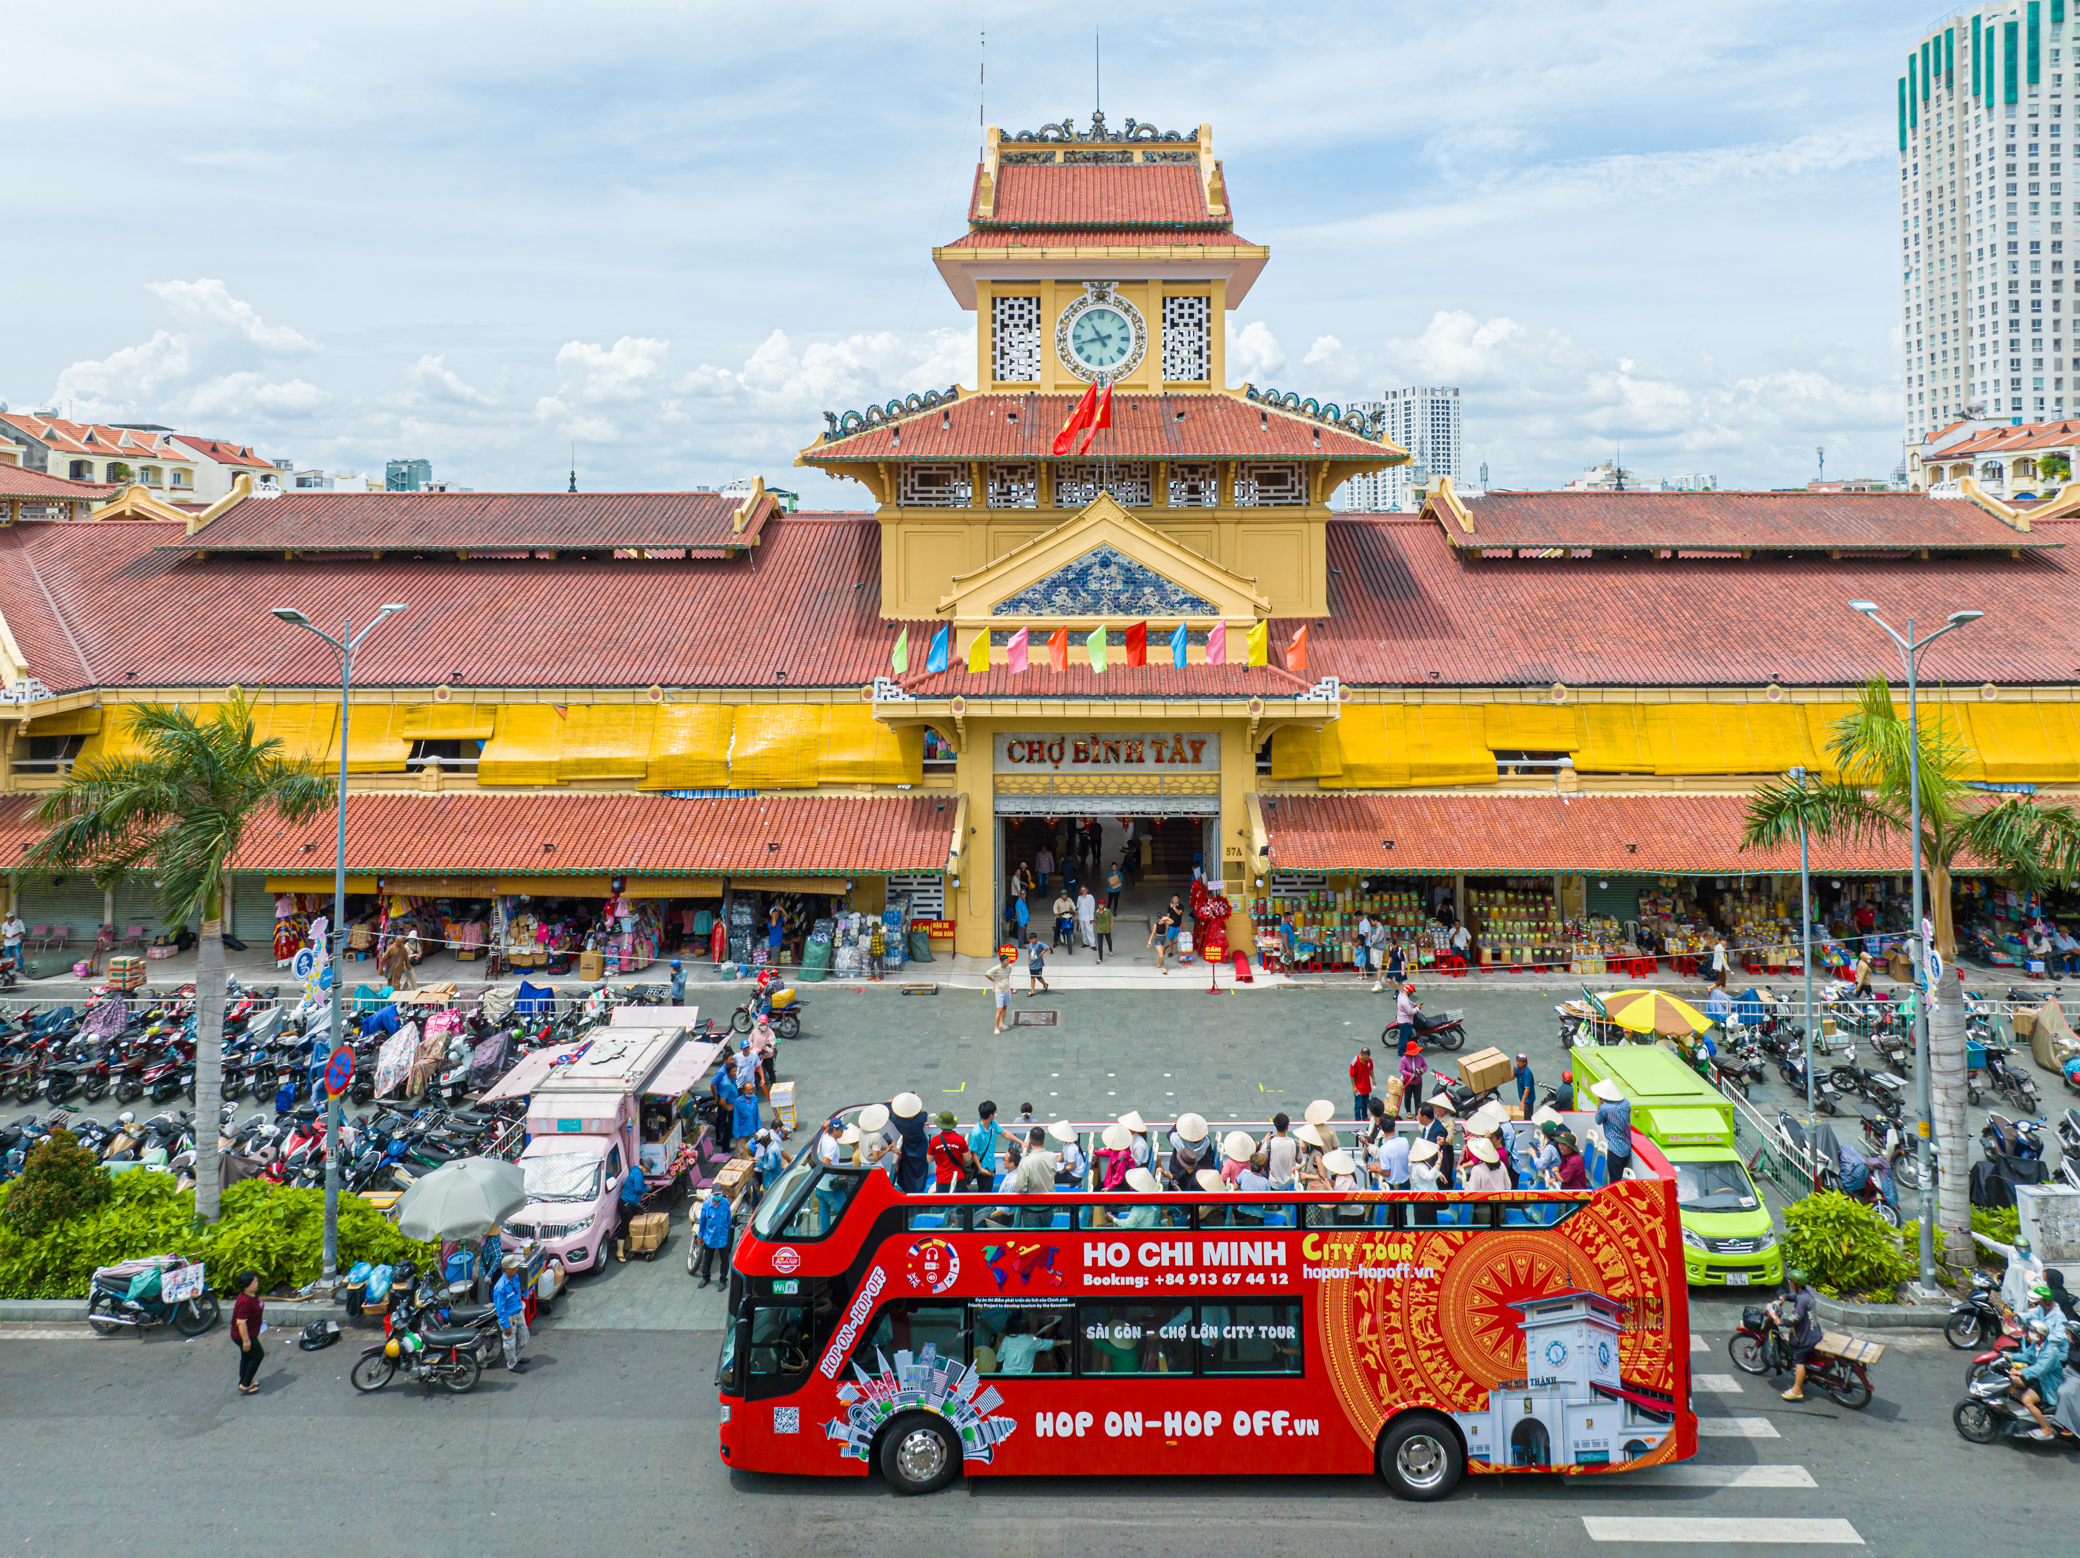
461 1200
1654 1011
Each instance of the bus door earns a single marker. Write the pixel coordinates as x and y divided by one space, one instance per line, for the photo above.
781 1327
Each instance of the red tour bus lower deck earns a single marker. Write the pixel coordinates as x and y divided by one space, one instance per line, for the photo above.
1416 1334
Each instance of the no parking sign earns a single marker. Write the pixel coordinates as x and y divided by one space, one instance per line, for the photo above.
339 1070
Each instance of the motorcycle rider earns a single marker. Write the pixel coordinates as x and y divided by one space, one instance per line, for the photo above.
1563 1095
2036 1376
1805 1329
1406 1010
2025 1271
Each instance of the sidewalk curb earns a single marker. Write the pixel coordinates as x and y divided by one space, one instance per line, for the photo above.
282 1311
1880 1317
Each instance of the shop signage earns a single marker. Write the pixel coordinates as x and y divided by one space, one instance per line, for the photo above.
1090 752
943 929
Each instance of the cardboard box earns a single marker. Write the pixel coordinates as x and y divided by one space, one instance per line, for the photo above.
733 1179
1485 1069
782 1094
592 965
647 1231
126 973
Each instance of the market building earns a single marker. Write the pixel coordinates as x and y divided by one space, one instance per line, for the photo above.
1538 710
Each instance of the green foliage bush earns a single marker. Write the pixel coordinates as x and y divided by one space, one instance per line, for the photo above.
1845 1247
1996 1222
60 1180
275 1231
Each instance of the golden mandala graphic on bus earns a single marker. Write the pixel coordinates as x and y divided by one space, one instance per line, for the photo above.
1426 1317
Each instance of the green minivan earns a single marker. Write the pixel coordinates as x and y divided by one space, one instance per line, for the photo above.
1728 1236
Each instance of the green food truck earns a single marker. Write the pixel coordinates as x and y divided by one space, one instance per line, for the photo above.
1727 1233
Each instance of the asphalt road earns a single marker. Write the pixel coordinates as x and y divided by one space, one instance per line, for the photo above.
139 1443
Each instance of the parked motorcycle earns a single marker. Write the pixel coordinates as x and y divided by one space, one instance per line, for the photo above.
443 1356
132 1293
1763 1347
1792 1069
1886 1140
1976 1320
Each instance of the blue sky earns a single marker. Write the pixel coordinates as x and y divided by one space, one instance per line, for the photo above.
677 234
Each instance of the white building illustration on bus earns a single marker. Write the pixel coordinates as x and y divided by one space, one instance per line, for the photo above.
1571 1408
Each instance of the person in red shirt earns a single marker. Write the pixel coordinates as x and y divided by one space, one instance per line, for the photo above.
950 1155
245 1331
1361 1084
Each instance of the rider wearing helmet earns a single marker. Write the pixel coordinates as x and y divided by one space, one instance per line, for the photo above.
2039 1371
678 983
1563 1095
1804 1326
1406 1009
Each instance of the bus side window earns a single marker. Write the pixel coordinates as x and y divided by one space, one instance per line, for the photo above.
1250 1338
1135 1338
1022 1337
1339 1214
1133 1214
911 1325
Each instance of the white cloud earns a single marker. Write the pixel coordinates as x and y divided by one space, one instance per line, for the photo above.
208 306
1253 352
433 380
239 395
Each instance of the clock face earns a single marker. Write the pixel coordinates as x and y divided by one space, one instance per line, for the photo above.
1556 1352
1603 1353
1101 337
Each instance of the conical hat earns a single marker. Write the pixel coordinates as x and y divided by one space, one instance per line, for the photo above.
1192 1127
1424 1150
1132 1120
1307 1133
1485 1150
873 1118
906 1106
1142 1180
1239 1145
1320 1112
1340 1162
1062 1130
1209 1180
1117 1137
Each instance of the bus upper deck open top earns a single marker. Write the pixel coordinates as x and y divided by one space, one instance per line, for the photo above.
1420 1334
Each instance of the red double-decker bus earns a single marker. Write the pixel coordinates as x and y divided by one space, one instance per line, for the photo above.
1421 1335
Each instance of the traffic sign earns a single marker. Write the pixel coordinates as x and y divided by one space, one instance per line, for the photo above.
339 1070
303 964
1935 969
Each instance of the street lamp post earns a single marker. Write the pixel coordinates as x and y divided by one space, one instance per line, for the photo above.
1805 900
336 938
1910 650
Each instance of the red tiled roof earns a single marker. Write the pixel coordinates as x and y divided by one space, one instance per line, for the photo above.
18 481
108 442
453 835
17 828
479 521
2002 440
1404 609
97 605
1099 238
1731 521
1118 681
1206 426
1504 835
1048 194
222 453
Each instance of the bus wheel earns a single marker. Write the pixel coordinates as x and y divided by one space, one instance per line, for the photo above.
919 1454
1420 1458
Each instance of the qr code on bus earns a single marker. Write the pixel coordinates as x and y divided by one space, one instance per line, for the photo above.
787 1420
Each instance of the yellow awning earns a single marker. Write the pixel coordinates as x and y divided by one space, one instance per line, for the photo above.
1726 738
604 741
1530 727
524 749
117 737
1309 751
1370 745
777 746
1614 740
318 883
74 722
1448 744
555 886
674 886
859 749
449 721
689 747
2035 743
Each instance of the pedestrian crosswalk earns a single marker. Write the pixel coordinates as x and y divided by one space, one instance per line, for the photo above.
1722 1428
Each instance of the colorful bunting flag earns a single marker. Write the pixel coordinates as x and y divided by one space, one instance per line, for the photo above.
935 658
1296 652
1217 644
563 710
1260 644
1177 646
978 653
900 656
1016 652
1094 646
1137 644
1058 650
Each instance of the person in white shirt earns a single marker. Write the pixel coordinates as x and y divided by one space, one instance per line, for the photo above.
1070 1163
1282 1151
12 930
1137 1144
1017 1348
1391 1156
1087 917
1036 1170
1487 1172
1423 1170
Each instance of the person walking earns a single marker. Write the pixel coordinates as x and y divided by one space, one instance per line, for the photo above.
246 1325
998 977
1159 938
776 933
1101 926
12 930
1087 917
397 966
712 1222
1527 1086
1361 1083
509 1304
1114 885
1376 953
678 983
1036 968
1043 866
1412 1068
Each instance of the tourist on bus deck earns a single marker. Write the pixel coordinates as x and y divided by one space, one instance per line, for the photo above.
1423 1170
1574 1173
1614 1115
1256 1175
1527 1086
1342 1170
1137 1144
1545 1157
1361 1083
1487 1173
1563 1095
984 1139
1237 1148
1143 1214
913 1167
1034 1175
1412 1068
1190 1150
949 1153
1282 1150
1115 1156
1391 1157
1070 1164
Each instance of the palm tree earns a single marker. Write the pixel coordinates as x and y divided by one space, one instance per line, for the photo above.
2031 845
179 811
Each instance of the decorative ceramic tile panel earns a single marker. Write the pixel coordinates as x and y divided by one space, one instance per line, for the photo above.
1187 339
1104 582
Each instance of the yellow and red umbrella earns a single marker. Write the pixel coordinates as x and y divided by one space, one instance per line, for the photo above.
1653 1011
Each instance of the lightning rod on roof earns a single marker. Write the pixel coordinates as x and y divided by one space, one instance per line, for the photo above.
574 466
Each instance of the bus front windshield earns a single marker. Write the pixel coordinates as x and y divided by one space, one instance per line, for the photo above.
807 1200
1714 1187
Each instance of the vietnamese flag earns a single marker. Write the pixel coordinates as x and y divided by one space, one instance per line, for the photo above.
1137 644
1296 651
1058 649
1079 419
1102 419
